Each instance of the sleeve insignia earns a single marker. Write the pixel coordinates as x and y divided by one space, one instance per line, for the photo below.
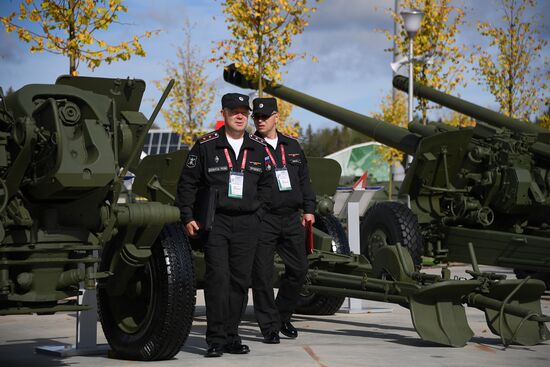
191 161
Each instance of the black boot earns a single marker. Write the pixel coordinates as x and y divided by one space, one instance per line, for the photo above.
237 348
272 338
288 330
214 350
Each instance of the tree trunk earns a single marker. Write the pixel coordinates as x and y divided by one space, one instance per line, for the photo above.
260 53
260 67
72 36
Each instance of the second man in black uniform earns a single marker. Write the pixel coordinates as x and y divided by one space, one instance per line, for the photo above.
282 228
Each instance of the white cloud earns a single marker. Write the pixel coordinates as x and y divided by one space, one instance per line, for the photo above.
353 69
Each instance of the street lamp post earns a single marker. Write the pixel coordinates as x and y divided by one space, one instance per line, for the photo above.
412 19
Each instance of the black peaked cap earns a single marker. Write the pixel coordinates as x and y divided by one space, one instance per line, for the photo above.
264 106
234 100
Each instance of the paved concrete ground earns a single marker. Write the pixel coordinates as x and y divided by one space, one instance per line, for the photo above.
368 339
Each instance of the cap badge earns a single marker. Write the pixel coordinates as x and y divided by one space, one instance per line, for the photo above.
261 105
241 99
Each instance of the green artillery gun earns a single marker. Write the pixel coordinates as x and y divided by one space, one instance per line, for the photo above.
489 185
499 195
64 151
436 303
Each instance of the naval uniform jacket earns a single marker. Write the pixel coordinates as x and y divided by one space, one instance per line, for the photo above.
207 168
301 196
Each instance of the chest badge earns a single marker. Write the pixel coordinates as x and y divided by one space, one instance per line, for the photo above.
216 159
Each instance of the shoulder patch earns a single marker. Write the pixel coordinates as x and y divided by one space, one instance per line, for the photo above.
210 136
257 139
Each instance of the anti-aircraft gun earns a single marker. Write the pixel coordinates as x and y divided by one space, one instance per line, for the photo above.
488 185
64 151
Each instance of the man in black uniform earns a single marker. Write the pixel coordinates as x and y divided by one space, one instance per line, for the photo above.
281 229
230 166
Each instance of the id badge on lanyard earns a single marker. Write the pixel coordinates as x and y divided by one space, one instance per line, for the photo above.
236 179
236 184
283 179
281 174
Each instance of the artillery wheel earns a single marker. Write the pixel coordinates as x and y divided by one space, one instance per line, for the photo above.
153 318
315 304
388 222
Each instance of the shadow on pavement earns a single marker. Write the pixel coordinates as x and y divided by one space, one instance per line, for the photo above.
298 318
21 353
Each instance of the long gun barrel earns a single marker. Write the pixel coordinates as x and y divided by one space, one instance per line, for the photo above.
467 108
541 148
380 131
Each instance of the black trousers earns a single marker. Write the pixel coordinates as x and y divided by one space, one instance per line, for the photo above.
285 234
229 255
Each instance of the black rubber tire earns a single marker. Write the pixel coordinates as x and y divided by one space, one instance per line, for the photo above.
168 306
396 223
331 225
316 304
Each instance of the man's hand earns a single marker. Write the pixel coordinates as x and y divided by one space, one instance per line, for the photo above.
308 218
192 229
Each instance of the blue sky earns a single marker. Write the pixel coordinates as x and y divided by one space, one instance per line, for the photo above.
353 70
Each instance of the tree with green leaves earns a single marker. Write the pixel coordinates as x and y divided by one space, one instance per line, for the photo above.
70 28
192 95
510 68
261 36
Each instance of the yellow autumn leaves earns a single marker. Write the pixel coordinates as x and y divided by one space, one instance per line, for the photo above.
70 28
511 74
437 37
261 36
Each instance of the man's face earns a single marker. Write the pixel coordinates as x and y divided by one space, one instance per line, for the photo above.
236 119
266 124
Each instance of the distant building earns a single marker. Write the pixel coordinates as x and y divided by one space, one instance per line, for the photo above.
162 141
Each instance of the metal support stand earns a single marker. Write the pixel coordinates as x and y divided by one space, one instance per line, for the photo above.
357 204
86 329
86 333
